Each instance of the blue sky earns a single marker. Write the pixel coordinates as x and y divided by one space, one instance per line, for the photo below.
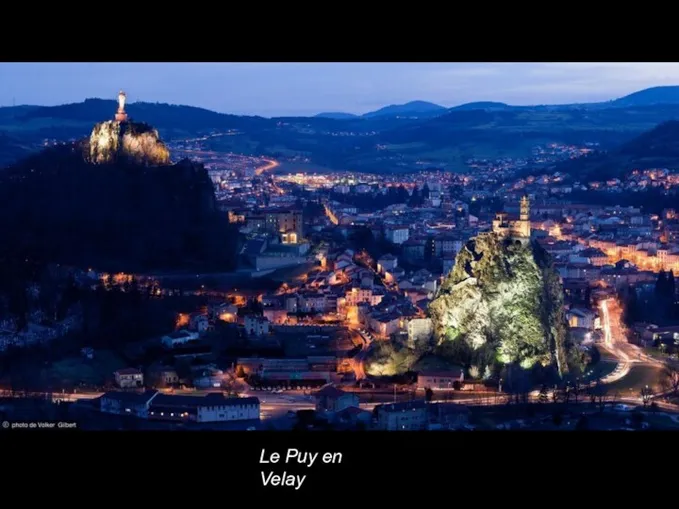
271 89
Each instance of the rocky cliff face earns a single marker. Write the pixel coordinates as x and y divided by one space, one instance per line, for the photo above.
137 142
504 297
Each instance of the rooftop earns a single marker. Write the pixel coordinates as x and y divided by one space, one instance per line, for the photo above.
330 391
130 398
454 372
212 399
403 406
128 371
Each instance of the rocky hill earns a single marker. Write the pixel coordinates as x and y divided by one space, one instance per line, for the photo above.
134 141
123 216
656 148
506 298
499 311
649 96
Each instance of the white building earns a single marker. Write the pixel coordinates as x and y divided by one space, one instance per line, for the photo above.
214 407
179 338
440 379
198 323
405 416
127 403
419 329
256 325
580 317
127 378
397 235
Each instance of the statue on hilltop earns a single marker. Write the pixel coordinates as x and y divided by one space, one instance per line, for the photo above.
124 139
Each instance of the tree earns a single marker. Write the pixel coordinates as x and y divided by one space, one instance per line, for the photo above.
474 372
543 397
576 387
428 394
646 395
557 395
597 391
631 312
670 378
414 198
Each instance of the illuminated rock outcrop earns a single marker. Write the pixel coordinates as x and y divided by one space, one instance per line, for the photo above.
138 142
122 139
505 296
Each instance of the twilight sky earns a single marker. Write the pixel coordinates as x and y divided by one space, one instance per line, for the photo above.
273 89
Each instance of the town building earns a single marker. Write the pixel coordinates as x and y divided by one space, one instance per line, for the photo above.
397 235
419 329
353 417
581 318
225 312
447 416
449 379
405 416
129 378
386 263
275 315
127 403
332 399
214 407
198 322
161 376
285 221
178 338
256 325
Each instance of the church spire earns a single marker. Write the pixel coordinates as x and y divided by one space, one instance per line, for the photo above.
525 209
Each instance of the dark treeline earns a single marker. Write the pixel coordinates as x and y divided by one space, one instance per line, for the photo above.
658 307
58 208
112 318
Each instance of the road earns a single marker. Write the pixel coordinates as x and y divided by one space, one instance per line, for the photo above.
635 369
270 165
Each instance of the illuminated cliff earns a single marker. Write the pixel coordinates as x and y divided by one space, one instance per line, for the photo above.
137 142
504 297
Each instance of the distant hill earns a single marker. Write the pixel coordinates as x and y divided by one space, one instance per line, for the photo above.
481 105
421 109
657 148
11 149
337 115
160 115
409 135
649 96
